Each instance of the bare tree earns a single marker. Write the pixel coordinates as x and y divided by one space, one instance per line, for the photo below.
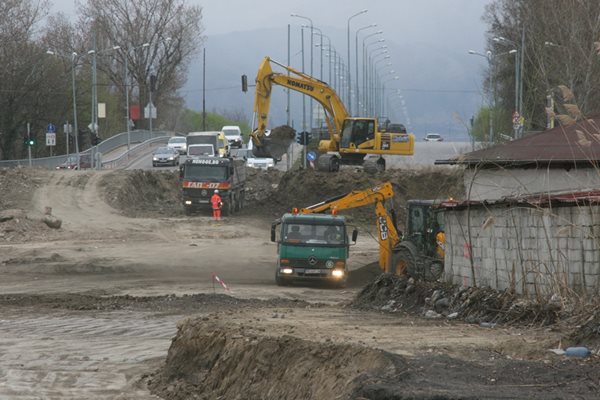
172 31
559 50
28 88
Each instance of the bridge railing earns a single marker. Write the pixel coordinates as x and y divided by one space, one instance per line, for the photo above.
106 146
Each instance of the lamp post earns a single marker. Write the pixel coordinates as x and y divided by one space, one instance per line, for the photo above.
488 56
366 66
127 51
518 78
73 65
356 62
365 71
350 60
311 57
374 81
395 78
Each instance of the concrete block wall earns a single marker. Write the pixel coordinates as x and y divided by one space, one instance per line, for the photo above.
534 251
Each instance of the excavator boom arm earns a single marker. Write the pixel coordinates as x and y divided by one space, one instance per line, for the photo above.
335 110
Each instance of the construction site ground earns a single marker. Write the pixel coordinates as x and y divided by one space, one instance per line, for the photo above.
121 302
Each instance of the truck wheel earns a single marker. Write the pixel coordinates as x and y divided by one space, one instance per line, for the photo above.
242 199
328 163
405 260
280 281
370 167
380 164
187 211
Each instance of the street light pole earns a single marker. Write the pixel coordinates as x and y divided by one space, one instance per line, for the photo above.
366 68
311 58
350 60
488 56
356 62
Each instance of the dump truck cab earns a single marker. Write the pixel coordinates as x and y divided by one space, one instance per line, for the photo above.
311 247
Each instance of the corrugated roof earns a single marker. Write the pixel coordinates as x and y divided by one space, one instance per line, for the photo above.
576 143
536 200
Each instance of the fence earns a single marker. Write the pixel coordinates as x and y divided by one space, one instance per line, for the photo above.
138 137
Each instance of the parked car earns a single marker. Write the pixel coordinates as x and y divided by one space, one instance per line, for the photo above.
178 143
233 133
256 162
71 162
433 137
165 156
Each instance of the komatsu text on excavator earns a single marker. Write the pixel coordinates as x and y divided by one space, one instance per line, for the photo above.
352 140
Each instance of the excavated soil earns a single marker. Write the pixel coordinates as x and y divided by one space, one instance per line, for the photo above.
214 358
270 193
89 303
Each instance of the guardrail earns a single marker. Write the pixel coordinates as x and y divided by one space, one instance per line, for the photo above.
125 159
106 146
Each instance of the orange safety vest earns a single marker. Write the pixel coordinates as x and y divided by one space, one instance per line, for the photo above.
216 202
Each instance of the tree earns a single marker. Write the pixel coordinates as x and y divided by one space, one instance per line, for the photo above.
173 32
27 85
559 38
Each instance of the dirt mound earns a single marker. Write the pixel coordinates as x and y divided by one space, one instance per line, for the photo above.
437 299
140 193
260 186
213 359
208 362
187 303
18 222
301 188
366 273
17 186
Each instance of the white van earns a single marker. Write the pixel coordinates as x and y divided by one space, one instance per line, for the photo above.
233 133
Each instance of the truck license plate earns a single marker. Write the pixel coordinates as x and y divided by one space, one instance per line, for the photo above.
312 271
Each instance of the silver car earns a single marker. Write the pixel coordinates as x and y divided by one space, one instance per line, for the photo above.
178 143
165 156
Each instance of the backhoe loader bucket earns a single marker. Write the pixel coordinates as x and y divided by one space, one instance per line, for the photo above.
276 144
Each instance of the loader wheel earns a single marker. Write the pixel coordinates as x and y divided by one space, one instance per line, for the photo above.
405 260
434 270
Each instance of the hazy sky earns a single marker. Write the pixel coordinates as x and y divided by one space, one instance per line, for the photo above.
437 29
449 20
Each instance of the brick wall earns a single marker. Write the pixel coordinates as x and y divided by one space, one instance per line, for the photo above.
535 251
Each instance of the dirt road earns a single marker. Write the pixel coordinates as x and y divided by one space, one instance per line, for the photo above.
91 311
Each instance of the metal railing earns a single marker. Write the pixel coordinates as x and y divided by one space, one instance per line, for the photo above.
106 146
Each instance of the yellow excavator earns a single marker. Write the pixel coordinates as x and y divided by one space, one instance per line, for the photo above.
350 139
419 252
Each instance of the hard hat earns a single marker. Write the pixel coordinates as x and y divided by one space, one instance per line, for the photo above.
216 190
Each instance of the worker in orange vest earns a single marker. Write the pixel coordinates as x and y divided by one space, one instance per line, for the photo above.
216 203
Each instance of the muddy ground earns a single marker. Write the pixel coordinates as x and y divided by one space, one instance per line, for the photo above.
121 303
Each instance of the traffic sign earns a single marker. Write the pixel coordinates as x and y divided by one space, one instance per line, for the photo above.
50 139
51 128
311 156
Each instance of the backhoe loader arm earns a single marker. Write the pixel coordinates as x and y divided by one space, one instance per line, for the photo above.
335 111
354 199
389 236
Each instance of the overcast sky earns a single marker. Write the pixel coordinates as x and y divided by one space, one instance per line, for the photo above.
432 30
446 20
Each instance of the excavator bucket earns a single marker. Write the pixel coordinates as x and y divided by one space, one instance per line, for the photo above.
276 143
